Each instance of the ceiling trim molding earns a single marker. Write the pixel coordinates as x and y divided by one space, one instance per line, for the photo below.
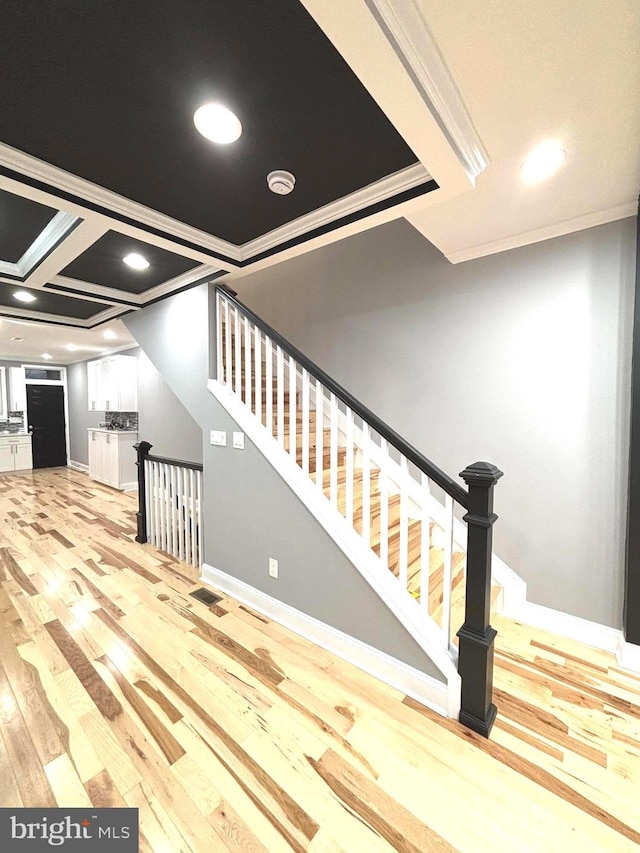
410 38
557 229
181 282
9 270
88 291
48 240
65 320
63 185
388 187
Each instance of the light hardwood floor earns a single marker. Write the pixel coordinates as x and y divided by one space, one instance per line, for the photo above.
229 732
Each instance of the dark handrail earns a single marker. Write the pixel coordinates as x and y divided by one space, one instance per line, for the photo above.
456 491
179 463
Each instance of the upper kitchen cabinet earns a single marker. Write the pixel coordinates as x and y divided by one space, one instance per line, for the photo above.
113 384
17 390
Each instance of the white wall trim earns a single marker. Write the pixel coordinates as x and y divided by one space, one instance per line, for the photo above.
406 610
410 37
628 656
557 229
47 240
420 686
78 466
385 188
574 627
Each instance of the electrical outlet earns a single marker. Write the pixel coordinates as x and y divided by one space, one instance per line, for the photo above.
219 437
273 567
238 440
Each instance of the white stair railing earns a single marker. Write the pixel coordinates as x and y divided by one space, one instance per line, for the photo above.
374 486
398 507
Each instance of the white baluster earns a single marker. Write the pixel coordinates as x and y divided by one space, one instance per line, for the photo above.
237 366
384 503
198 561
268 361
228 375
174 519
425 538
366 483
163 506
319 435
257 351
305 420
292 408
403 556
349 466
247 362
188 485
333 450
447 578
219 333
149 500
280 394
181 512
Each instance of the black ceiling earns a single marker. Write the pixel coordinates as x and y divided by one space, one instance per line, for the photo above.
102 264
111 89
50 303
21 221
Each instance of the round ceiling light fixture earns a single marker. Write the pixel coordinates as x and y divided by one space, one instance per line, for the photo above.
110 335
47 356
136 261
281 182
16 338
72 347
542 161
24 296
217 123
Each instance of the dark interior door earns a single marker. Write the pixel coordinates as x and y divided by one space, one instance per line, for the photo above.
45 413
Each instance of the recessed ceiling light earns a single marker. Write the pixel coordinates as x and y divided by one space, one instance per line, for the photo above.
542 162
72 347
46 356
136 261
24 296
217 123
17 339
110 335
281 182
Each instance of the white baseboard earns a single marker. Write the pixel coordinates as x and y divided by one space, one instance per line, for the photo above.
628 656
575 628
420 686
129 487
79 466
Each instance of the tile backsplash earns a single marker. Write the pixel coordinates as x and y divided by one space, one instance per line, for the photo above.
121 420
14 422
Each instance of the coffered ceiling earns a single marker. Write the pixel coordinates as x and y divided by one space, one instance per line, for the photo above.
379 108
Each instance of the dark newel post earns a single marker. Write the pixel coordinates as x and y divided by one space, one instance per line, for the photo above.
476 637
631 614
142 448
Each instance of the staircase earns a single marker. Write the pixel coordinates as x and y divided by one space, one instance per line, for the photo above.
391 509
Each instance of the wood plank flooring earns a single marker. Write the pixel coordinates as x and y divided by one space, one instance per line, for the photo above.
229 732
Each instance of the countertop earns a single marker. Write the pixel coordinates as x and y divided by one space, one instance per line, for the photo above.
14 434
104 429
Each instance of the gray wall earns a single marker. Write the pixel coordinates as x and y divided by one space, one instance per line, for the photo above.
521 359
250 513
163 420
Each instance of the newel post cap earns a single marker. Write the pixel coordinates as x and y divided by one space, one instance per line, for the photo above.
143 448
481 474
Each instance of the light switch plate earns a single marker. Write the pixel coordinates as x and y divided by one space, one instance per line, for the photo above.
238 440
219 437
273 567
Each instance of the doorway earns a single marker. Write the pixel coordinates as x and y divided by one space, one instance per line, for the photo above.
46 419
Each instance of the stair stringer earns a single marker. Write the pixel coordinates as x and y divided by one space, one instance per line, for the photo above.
405 609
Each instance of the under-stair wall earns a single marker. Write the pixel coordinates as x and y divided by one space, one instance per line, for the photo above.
250 514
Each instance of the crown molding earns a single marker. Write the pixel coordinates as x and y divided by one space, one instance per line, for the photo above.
410 38
392 185
62 320
110 202
556 229
49 238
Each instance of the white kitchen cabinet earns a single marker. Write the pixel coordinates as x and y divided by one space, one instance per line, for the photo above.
15 453
113 384
112 459
17 390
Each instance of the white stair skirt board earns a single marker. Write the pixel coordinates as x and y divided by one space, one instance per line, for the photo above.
406 610
79 466
420 686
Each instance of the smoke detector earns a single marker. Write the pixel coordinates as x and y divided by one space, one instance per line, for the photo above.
280 182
